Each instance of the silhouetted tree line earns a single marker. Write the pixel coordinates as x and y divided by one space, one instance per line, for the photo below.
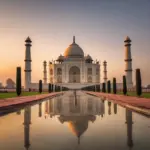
56 88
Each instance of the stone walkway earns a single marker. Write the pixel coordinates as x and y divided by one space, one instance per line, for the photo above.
141 105
4 103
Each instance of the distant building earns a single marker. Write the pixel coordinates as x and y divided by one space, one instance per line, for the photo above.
1 85
10 84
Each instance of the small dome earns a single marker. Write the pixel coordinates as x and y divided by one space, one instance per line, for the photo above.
10 81
60 58
44 62
74 50
88 57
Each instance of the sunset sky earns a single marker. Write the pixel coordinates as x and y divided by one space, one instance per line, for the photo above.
100 27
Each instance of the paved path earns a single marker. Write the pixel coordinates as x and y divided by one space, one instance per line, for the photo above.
135 103
25 99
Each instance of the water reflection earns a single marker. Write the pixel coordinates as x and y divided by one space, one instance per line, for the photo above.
18 112
115 108
129 123
109 107
75 111
27 122
78 111
40 109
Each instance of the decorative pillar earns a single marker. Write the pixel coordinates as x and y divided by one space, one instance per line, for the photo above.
128 60
45 72
28 63
105 71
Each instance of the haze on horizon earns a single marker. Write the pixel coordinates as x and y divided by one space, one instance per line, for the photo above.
100 28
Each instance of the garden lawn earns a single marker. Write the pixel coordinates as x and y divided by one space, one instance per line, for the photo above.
13 94
145 95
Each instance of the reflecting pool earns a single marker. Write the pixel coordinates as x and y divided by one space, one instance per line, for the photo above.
74 121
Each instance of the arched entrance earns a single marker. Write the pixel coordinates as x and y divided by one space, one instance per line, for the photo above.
74 75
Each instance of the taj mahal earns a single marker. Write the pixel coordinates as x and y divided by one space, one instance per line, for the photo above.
74 69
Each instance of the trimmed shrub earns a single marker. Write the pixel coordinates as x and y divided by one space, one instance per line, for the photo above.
94 88
55 88
104 88
52 87
108 86
114 86
98 88
40 86
124 85
138 83
18 81
49 88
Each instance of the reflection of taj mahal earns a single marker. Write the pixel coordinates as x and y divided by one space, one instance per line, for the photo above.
68 105
74 69
76 111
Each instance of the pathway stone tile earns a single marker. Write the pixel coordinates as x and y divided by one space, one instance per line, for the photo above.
25 99
134 101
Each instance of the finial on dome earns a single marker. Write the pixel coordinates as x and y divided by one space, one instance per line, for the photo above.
74 40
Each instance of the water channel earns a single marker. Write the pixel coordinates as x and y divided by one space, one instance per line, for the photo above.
74 121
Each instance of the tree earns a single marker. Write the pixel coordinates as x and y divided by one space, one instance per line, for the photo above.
124 85
138 82
49 88
114 86
103 88
108 86
93 88
18 81
40 86
98 88
52 87
58 88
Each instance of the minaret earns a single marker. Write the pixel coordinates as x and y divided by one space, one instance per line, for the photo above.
128 60
45 72
105 71
28 63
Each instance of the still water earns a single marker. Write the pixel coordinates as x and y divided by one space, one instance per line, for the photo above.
70 122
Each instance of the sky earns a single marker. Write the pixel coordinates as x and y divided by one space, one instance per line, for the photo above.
100 27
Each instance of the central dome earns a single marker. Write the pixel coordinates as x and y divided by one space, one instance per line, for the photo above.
74 50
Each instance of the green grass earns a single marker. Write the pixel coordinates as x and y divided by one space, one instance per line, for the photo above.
145 95
13 94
